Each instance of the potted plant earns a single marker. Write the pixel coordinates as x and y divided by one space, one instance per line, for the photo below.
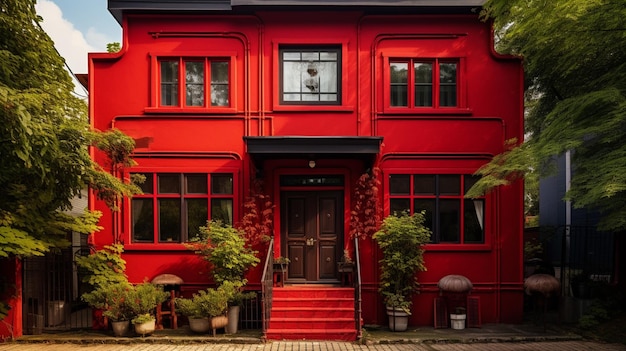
105 270
401 239
197 310
346 264
143 300
217 306
457 319
235 296
280 270
113 301
230 257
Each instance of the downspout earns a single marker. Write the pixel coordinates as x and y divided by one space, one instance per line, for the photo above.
261 103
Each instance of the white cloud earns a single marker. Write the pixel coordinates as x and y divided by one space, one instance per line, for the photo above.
69 41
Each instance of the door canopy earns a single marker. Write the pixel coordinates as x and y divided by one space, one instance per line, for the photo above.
312 147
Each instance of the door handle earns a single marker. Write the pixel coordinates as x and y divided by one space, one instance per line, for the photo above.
310 241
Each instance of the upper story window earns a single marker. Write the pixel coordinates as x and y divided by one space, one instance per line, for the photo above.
174 206
194 82
310 75
450 216
421 83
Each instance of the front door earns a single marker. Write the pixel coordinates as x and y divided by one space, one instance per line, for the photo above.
312 233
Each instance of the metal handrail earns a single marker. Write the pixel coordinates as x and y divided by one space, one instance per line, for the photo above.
357 291
267 284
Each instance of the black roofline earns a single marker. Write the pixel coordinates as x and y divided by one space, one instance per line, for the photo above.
118 7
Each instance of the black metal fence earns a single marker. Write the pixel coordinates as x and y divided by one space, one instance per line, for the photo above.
576 252
51 292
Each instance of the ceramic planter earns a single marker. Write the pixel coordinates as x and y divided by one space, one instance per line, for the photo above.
457 321
145 328
398 319
233 319
199 325
120 328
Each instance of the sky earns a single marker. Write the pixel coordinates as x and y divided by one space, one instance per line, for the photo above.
78 27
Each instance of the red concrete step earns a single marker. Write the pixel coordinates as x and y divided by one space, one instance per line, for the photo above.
313 302
317 334
312 323
313 312
313 292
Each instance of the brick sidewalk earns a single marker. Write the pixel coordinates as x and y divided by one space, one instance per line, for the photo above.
320 346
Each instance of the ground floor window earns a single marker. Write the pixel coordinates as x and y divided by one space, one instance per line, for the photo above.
174 206
451 217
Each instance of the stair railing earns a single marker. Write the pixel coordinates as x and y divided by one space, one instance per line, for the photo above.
267 284
357 291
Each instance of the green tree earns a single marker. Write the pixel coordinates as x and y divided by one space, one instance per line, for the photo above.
44 142
575 64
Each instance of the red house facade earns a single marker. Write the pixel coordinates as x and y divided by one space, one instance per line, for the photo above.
305 97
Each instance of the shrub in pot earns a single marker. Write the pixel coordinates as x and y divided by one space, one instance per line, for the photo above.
401 238
229 255
105 271
143 300
113 300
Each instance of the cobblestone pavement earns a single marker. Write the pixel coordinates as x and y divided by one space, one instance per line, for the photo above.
322 346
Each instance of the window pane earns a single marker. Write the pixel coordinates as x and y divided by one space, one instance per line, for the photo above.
222 209
428 206
423 83
310 76
449 184
424 184
447 82
169 83
423 72
196 184
398 75
447 95
219 84
328 80
169 183
197 215
449 218
399 184
474 217
169 220
142 217
447 73
423 95
470 180
222 184
146 186
194 80
397 206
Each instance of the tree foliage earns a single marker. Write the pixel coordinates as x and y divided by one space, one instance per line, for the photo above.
575 65
44 141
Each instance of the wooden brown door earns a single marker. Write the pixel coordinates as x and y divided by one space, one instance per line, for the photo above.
312 233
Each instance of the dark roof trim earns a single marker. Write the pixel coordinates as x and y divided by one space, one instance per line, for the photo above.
361 3
289 145
118 7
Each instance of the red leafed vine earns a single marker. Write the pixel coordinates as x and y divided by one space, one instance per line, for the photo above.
365 214
258 218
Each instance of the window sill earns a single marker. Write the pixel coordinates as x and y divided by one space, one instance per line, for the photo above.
188 110
313 108
155 247
457 247
428 111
